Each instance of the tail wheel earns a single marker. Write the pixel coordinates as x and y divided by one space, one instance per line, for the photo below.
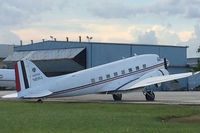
117 97
150 96
39 101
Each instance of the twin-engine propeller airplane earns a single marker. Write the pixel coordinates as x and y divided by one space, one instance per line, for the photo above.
113 78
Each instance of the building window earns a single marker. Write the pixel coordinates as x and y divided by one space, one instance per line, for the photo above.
100 78
130 69
93 80
144 66
115 74
108 76
123 72
137 68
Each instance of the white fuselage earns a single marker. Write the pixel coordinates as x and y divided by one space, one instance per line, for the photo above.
104 78
7 78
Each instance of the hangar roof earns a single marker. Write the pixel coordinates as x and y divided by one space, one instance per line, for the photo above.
42 55
102 43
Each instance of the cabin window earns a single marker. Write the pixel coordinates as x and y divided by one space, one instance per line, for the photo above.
108 76
123 72
93 80
130 69
1 76
115 74
144 66
100 78
137 68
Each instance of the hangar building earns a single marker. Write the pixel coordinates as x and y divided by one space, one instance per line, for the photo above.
59 57
5 51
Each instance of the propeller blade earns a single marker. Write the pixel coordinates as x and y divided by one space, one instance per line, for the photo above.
165 63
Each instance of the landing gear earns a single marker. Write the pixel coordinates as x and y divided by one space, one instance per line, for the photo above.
117 97
149 95
39 101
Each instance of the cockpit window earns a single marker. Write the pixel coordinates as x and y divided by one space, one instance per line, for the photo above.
159 59
144 66
1 76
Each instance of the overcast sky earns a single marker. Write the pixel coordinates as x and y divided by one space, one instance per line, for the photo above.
164 22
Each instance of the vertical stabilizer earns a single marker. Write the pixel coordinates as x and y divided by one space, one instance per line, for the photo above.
28 76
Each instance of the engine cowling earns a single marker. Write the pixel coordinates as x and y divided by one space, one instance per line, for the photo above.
160 72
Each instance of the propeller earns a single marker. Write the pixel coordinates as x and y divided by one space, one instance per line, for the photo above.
165 63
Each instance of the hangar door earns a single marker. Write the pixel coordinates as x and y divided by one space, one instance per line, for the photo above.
52 62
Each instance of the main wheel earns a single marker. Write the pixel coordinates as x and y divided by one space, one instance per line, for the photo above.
117 97
150 96
39 101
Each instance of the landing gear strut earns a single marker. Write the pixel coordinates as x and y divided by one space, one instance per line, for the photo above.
149 95
117 97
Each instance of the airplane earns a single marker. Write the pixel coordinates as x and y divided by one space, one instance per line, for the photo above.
116 78
7 78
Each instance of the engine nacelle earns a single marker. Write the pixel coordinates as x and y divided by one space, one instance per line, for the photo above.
163 72
160 72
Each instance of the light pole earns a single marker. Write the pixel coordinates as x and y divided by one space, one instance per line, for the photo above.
51 37
89 38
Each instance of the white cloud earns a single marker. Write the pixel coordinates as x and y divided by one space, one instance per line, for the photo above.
121 9
107 21
184 36
193 43
148 38
7 37
22 11
154 34
19 13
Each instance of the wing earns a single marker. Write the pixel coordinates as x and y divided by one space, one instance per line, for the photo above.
155 80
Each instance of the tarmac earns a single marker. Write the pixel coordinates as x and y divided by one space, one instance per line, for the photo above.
174 97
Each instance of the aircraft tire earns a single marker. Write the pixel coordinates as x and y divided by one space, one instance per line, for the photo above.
39 101
117 97
150 96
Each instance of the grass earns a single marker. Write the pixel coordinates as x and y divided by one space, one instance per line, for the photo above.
53 117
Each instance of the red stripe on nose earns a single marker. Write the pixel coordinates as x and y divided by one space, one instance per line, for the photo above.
17 80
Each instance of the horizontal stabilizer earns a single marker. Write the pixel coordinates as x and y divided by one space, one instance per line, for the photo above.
37 94
14 95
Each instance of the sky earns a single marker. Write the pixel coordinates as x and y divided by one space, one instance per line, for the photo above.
162 22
